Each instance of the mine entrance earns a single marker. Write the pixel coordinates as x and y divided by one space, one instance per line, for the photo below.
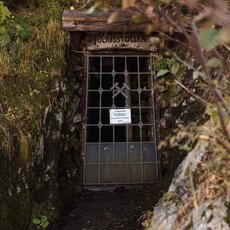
120 140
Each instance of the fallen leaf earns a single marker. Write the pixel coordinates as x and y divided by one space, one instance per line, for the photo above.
162 72
113 18
214 63
208 39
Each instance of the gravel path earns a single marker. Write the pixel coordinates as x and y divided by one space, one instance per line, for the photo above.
110 210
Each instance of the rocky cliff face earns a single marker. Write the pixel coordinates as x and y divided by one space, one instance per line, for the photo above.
57 159
191 201
37 180
15 196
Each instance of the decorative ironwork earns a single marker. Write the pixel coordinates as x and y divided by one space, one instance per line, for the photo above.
120 90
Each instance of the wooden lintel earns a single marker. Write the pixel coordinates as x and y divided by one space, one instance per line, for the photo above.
80 21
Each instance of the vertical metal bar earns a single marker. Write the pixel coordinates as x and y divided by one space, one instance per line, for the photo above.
139 96
113 104
86 105
100 127
153 79
127 126
87 97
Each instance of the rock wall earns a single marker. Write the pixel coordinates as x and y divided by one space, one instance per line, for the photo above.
188 205
41 180
57 159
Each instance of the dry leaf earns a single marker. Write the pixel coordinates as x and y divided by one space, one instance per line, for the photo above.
166 1
113 18
224 35
128 4
149 11
228 127
154 40
192 4
149 28
137 18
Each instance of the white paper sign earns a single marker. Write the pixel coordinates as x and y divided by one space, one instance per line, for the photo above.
120 116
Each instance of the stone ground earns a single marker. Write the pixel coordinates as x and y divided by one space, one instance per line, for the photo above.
121 208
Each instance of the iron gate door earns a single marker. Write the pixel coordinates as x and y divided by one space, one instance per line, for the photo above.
124 151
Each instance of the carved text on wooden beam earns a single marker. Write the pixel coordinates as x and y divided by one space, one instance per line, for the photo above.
119 41
119 38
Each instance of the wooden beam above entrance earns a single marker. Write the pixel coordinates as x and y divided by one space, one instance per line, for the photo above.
74 20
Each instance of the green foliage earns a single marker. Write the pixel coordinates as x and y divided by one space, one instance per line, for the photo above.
167 65
32 4
16 145
32 51
5 13
42 216
208 38
11 28
41 223
15 31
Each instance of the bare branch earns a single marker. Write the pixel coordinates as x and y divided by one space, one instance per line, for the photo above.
198 98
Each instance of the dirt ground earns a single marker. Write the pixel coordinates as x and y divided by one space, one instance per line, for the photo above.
120 208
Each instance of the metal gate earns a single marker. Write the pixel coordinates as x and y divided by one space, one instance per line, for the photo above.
124 151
